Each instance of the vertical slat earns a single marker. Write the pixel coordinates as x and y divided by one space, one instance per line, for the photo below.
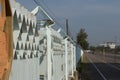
6 13
3 13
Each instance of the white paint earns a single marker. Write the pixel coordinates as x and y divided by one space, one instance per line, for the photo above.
109 64
49 64
72 59
104 78
58 52
66 60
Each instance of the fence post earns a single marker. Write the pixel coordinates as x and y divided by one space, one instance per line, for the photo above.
49 63
66 60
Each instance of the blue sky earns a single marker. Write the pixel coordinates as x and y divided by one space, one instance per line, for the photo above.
100 18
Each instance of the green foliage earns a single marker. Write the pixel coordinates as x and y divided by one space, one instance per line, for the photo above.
79 66
82 39
105 49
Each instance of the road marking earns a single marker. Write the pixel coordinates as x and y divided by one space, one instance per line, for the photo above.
109 64
113 66
97 69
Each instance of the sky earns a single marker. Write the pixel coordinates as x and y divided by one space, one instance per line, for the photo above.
99 18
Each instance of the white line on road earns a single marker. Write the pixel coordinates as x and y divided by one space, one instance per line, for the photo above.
97 69
115 67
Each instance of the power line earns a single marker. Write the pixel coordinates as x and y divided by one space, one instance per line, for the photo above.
54 17
46 8
35 2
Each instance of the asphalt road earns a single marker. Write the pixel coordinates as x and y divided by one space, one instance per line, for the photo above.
103 66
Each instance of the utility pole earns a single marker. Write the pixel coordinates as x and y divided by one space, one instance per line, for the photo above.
67 27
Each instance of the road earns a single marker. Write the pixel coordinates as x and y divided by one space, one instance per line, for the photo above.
104 66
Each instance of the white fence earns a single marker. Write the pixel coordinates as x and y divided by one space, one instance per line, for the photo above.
40 52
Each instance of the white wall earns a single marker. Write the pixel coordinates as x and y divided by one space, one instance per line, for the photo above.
25 69
49 45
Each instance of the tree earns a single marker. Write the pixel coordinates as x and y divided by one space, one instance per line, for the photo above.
82 39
